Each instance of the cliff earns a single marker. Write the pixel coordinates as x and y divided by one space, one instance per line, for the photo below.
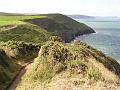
62 26
41 27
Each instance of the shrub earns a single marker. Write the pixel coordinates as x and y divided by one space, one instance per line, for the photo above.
8 70
20 50
55 38
94 74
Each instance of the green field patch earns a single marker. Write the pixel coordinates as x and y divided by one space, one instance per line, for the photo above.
8 20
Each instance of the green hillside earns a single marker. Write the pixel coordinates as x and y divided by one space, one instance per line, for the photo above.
40 28
15 20
20 51
8 70
26 33
13 56
62 26
48 38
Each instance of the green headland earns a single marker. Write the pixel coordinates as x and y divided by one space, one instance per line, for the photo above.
45 43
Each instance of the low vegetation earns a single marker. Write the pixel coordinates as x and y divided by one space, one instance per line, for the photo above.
62 26
69 60
40 28
23 38
26 33
13 56
8 70
15 20
20 51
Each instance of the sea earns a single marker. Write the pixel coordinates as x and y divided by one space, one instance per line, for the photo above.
107 36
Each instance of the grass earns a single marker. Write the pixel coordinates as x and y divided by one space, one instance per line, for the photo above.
24 41
20 51
24 33
94 74
8 70
16 20
62 26
68 60
11 53
40 28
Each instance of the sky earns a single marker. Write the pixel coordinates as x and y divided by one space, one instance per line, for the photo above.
83 7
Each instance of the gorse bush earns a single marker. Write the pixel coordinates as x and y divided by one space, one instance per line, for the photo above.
26 32
77 67
94 74
55 38
67 60
52 58
8 70
19 50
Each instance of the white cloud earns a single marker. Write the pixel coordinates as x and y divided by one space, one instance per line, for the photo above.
88 7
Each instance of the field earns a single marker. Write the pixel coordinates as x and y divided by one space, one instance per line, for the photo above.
8 20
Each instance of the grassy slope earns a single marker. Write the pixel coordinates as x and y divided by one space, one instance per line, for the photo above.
68 61
8 70
11 53
42 27
8 20
26 33
62 26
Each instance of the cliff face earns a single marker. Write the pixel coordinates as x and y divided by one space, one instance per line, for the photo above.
42 27
62 26
73 65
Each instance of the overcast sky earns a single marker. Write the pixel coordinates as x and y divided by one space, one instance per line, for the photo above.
85 7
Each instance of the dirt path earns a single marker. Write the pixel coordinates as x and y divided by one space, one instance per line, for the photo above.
17 80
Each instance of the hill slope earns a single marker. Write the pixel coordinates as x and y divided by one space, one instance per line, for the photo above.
8 70
42 27
14 29
26 33
72 65
14 55
62 26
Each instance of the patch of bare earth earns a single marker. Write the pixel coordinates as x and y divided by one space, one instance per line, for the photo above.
79 82
84 84
107 74
8 27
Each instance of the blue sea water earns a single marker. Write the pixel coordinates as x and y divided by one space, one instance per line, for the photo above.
107 36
